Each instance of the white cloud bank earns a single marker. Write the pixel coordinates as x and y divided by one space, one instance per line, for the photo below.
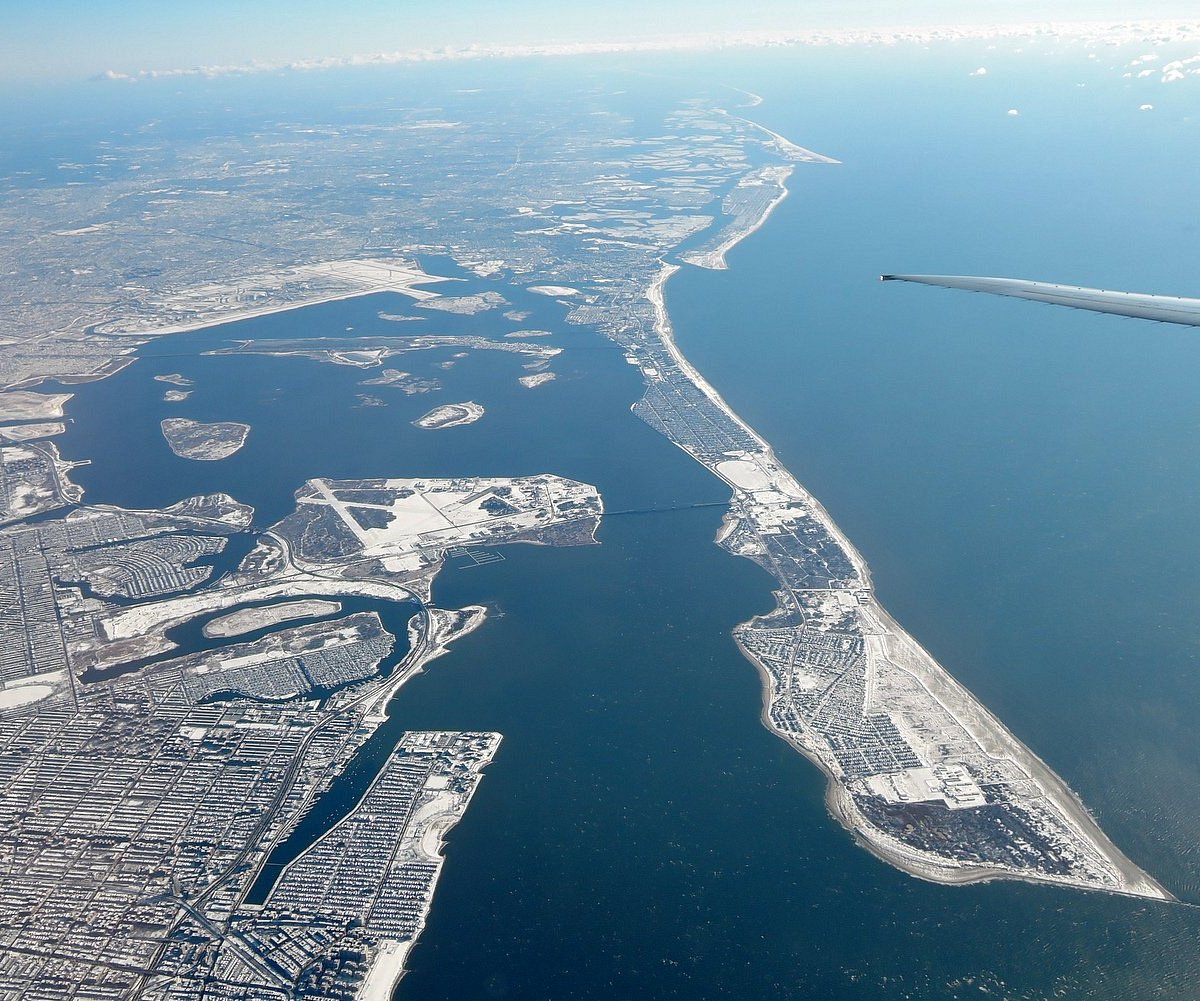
1092 32
1178 69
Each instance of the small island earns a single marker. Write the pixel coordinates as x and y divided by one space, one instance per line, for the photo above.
204 442
175 379
465 305
535 380
451 415
406 382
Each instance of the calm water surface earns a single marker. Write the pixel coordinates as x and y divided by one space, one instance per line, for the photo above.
1023 481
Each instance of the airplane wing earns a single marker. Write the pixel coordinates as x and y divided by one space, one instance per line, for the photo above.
1166 308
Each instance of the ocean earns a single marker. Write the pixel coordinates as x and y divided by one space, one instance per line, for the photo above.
1023 482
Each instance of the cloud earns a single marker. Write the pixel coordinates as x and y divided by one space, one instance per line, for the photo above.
1093 33
1146 107
1180 69
1013 113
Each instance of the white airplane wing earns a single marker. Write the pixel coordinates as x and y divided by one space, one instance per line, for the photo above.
1166 308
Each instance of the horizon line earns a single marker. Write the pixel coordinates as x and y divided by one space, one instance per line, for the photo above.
1108 31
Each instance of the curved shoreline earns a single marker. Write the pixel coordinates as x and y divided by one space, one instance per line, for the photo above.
714 259
891 648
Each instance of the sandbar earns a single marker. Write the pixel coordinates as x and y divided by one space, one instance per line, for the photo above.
451 415
537 379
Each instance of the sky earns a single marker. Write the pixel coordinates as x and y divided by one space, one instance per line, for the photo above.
74 39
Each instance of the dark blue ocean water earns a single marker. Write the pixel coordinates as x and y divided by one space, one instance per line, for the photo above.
1023 481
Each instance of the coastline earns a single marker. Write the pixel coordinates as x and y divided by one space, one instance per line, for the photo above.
903 651
234 315
715 259
430 633
361 277
667 335
1065 798
764 497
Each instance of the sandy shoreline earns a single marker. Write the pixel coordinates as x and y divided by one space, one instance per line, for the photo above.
906 653
714 259
667 335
